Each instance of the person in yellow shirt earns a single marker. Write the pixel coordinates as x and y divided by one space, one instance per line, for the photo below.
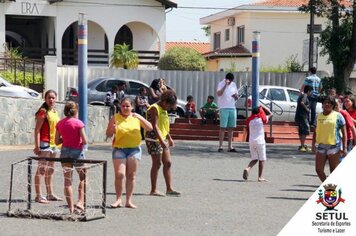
331 137
125 127
158 141
44 135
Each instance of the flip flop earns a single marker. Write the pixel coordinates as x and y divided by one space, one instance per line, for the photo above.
262 180
245 174
42 200
220 150
78 212
232 150
78 207
173 193
53 198
157 194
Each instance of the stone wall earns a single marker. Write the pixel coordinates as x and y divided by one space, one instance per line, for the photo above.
17 120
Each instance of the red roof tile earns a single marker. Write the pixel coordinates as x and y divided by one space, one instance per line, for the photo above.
199 47
237 51
289 3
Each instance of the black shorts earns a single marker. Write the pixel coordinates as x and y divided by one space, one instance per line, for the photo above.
303 126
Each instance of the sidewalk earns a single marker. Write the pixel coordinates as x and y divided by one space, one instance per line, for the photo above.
215 200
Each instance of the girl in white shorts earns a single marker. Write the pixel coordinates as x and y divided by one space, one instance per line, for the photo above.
257 141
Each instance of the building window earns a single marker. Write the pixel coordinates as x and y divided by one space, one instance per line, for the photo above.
217 40
227 34
240 35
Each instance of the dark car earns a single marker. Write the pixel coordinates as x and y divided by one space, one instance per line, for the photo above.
98 88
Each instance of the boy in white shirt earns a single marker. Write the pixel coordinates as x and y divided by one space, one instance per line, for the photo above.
257 141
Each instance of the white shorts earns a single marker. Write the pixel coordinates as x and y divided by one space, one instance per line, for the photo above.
258 151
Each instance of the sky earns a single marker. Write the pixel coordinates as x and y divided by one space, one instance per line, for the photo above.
182 24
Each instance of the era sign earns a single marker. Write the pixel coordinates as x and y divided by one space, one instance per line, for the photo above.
29 8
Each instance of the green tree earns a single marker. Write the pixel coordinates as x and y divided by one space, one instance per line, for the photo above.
207 30
293 65
123 57
178 58
338 39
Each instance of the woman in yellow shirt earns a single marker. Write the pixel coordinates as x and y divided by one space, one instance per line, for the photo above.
159 140
44 136
125 127
330 135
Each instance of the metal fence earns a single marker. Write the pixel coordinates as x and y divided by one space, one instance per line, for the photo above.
196 83
23 71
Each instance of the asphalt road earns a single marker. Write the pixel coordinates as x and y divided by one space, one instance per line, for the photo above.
215 199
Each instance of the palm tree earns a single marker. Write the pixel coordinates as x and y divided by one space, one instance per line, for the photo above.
123 57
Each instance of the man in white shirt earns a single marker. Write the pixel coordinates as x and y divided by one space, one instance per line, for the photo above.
227 95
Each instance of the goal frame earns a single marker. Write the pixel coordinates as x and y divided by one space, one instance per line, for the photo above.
27 212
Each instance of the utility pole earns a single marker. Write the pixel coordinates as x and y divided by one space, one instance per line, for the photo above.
311 33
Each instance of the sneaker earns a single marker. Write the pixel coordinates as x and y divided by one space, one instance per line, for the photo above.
302 149
307 148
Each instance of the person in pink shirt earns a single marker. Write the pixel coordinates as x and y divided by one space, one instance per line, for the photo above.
71 133
350 126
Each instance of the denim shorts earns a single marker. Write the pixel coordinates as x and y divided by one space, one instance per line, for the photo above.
45 147
124 153
76 154
326 149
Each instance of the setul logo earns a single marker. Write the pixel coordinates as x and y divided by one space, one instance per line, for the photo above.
330 198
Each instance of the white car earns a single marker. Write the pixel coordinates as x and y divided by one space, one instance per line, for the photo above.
10 90
283 99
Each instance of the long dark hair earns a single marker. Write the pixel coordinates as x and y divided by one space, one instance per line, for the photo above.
44 105
154 84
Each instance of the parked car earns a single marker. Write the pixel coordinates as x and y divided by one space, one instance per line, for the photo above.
10 90
283 99
98 88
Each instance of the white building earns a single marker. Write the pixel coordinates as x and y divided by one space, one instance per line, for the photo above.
283 33
40 27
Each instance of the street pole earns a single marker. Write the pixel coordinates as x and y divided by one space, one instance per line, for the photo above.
311 33
82 68
255 68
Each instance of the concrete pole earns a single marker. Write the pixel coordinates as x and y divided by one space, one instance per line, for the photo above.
82 67
255 68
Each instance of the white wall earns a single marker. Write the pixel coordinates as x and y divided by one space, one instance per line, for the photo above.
145 37
282 35
109 16
96 36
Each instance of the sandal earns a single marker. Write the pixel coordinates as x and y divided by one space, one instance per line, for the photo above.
220 150
53 198
42 200
173 193
232 150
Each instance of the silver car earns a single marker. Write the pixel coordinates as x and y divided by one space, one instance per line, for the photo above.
283 101
10 90
98 88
